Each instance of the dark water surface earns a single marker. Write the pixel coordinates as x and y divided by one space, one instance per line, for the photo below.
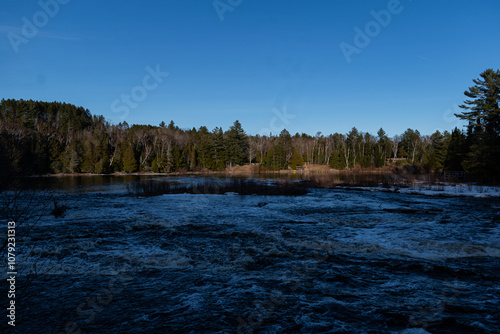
332 261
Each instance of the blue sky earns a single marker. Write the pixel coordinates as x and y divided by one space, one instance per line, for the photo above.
269 64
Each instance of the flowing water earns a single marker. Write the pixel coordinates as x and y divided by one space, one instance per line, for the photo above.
331 261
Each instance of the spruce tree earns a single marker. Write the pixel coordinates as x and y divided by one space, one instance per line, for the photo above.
237 144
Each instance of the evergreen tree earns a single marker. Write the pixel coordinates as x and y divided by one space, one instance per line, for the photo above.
483 131
438 150
171 126
219 155
368 151
456 151
204 143
285 142
337 160
410 142
71 158
177 156
89 156
279 155
296 159
237 144
129 159
435 152
382 151
275 158
352 141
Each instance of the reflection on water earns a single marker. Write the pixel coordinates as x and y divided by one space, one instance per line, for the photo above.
85 183
103 183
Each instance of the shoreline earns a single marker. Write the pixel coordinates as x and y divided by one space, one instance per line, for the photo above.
383 179
244 170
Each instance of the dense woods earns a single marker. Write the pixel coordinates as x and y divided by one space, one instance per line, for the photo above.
52 137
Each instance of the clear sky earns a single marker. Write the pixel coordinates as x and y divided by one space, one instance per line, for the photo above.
310 66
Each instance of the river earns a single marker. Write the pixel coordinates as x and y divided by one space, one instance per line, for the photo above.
331 261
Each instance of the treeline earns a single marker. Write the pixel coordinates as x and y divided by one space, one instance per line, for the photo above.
42 137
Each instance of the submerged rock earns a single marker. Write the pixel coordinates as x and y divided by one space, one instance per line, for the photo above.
59 210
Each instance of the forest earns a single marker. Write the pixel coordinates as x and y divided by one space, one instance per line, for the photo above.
39 138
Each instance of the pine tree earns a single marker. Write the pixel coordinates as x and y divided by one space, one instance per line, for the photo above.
483 130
